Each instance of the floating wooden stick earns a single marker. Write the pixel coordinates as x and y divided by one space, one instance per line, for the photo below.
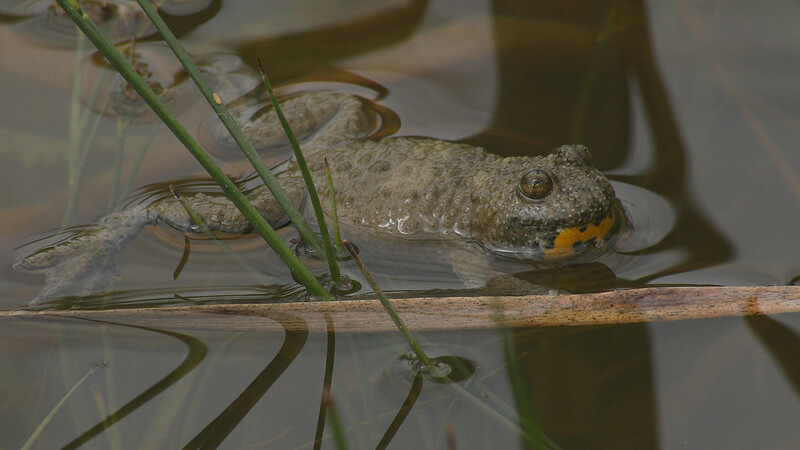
449 313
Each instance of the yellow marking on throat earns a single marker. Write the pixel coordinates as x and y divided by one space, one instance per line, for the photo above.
563 245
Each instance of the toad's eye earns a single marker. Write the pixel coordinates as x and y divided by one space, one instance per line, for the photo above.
536 184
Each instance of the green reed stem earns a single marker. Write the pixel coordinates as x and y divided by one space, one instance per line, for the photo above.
387 305
121 64
333 265
337 238
236 132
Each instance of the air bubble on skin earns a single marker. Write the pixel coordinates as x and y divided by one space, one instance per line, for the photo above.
461 226
387 224
431 224
447 221
407 225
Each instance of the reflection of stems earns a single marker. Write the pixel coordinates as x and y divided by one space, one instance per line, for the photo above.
49 417
487 402
326 382
197 352
730 85
216 431
781 342
113 196
519 385
532 432
137 163
74 133
497 417
411 398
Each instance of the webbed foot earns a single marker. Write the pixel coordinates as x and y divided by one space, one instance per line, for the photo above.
85 263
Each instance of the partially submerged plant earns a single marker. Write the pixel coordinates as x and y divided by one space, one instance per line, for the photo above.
300 272
123 66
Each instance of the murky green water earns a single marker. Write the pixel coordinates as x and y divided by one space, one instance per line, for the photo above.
689 107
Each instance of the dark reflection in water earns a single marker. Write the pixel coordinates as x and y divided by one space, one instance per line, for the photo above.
579 65
591 386
573 387
402 413
197 352
298 54
782 343
216 431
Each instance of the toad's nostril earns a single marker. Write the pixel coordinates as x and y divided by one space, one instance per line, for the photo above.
575 154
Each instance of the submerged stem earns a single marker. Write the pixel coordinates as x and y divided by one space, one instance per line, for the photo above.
75 135
38 431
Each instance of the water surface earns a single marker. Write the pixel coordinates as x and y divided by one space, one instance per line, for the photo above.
688 106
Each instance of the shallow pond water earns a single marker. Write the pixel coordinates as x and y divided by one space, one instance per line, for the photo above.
688 107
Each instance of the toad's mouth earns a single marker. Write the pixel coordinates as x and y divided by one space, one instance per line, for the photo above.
569 242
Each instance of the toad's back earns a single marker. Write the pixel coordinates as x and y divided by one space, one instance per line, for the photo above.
418 188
